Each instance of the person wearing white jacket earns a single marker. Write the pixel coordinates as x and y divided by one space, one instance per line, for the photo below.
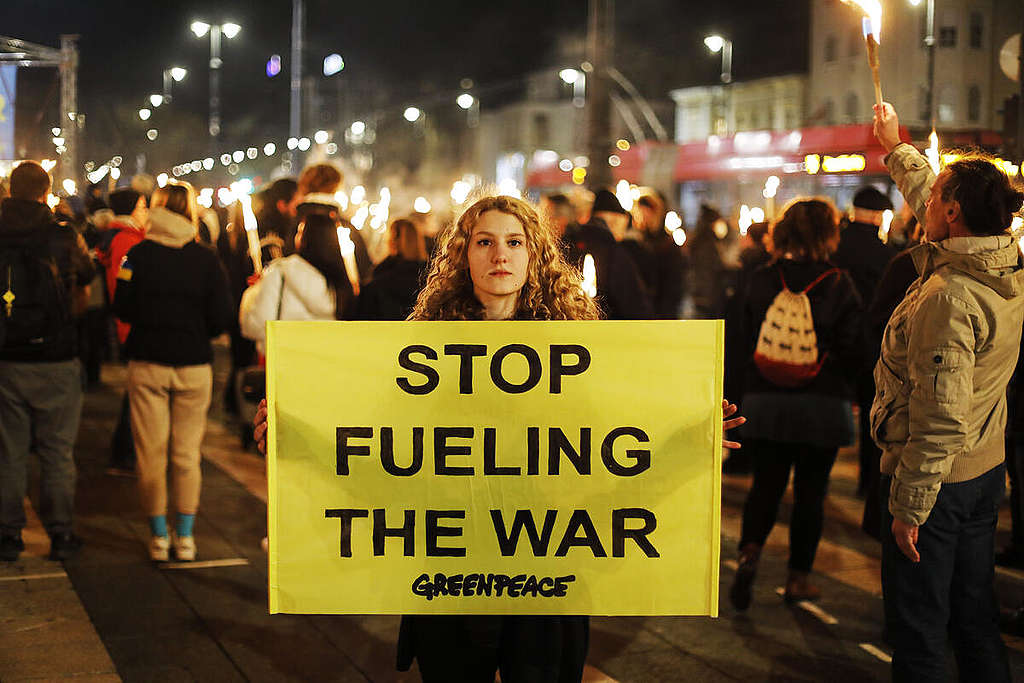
311 284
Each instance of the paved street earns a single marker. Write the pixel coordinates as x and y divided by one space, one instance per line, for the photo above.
110 614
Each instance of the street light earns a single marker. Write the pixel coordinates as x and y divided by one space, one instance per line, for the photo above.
230 30
176 74
412 114
716 44
465 100
145 113
578 80
156 100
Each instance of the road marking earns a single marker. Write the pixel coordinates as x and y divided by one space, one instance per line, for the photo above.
230 562
30 577
876 652
809 606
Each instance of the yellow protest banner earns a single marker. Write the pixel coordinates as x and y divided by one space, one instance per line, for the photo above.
511 467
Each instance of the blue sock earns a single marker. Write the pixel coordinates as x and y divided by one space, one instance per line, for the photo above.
184 525
158 525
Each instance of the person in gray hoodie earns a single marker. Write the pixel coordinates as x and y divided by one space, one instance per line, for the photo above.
940 412
174 293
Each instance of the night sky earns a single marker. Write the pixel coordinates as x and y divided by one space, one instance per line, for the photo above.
394 51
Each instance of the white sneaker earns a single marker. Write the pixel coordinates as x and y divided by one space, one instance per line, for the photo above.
184 548
158 548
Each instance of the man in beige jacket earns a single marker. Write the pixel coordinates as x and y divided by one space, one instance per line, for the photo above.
940 411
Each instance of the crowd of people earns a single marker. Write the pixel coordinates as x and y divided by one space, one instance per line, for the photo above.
918 336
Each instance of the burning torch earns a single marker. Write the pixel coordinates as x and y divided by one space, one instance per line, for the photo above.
872 24
251 232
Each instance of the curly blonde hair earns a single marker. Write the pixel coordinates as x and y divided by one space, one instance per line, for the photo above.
552 290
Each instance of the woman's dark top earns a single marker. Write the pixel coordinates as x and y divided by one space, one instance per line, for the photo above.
391 294
817 413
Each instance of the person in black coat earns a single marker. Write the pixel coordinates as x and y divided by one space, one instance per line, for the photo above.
621 293
397 279
659 259
796 425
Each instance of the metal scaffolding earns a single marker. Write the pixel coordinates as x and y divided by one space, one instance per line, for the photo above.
22 53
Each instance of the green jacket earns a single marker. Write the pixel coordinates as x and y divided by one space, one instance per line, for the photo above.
947 354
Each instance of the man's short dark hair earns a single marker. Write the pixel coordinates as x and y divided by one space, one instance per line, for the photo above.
30 181
282 189
986 197
123 201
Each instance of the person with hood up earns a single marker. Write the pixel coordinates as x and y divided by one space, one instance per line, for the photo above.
174 293
939 413
311 284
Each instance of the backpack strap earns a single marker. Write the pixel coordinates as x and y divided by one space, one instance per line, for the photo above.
782 277
816 281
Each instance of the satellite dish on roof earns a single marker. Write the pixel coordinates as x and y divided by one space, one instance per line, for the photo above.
1009 57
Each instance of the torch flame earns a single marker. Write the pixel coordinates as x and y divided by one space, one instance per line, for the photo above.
348 256
251 232
933 151
589 276
873 16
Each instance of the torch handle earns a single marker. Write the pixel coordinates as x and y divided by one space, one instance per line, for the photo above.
872 47
878 86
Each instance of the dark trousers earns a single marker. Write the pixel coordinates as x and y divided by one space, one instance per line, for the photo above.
1015 468
122 445
811 467
949 594
40 406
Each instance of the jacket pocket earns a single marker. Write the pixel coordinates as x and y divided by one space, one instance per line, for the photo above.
947 375
889 415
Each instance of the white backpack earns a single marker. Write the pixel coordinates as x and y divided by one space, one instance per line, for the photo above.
787 347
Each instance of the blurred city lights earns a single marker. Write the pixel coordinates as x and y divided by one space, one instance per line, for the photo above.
252 152
238 156
622 144
156 100
208 163
565 165
579 175
196 166
465 100
199 28
321 137
333 63
269 149
178 73
412 114
304 144
614 161
225 158
508 188
231 29
144 114
152 134
55 131
273 66
161 180
460 191
293 143
358 128
331 148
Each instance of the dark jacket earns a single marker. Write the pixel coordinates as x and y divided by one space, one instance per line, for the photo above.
620 291
891 288
23 222
660 263
174 292
392 293
819 412
864 256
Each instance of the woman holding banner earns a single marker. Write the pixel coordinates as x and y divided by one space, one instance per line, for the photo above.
499 261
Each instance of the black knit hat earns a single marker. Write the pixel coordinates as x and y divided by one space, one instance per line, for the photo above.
123 201
604 200
871 199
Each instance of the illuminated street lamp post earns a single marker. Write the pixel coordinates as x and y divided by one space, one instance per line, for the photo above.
230 30
176 74
929 41
472 107
578 80
718 44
